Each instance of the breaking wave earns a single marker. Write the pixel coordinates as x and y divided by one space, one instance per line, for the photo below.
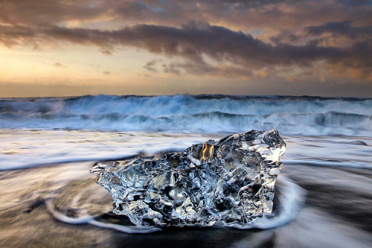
185 113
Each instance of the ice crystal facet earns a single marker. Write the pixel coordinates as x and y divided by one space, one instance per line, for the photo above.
228 182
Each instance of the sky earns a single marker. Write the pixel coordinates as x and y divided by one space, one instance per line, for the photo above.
238 47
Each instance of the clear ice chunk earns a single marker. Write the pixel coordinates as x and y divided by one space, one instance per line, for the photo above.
229 182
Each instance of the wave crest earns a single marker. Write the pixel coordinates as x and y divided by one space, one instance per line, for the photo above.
185 113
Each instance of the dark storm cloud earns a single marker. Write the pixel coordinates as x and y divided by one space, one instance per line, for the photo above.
41 11
341 28
193 42
320 33
203 48
264 13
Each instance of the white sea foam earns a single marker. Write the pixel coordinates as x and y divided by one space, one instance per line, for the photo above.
291 199
87 219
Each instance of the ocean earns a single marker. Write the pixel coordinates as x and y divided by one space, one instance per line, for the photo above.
49 199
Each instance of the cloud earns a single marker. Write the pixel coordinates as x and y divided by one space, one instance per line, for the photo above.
194 42
353 42
106 72
57 64
341 28
337 33
204 69
331 33
190 42
237 14
172 68
106 51
150 66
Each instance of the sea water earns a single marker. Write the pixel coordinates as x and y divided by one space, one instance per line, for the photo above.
48 144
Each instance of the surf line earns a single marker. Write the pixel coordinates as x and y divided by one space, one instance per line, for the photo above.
88 219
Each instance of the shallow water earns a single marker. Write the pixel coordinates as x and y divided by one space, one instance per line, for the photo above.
47 145
47 203
21 148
